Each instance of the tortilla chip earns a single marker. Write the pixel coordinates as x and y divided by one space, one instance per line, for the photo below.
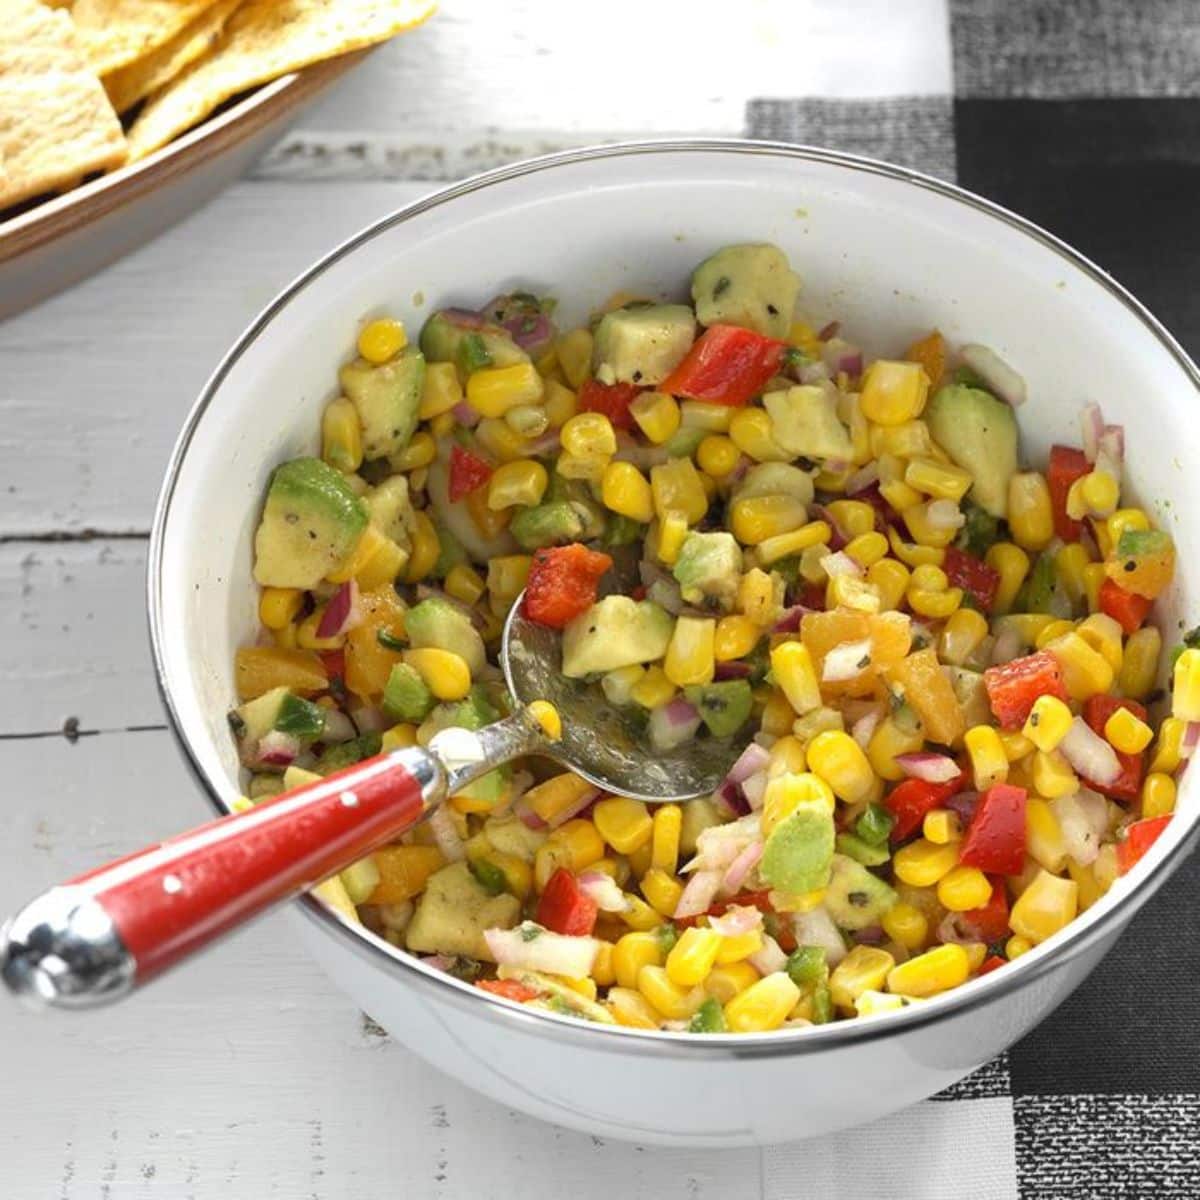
132 83
56 123
114 33
263 40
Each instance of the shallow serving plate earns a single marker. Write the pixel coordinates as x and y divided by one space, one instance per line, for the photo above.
890 252
59 241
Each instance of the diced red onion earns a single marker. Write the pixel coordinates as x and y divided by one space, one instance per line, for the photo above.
736 920
533 334
840 355
768 958
845 661
439 962
1091 426
930 767
735 874
754 789
731 796
672 724
950 930
643 457
1112 447
863 478
1090 755
466 415
835 466
569 814
871 936
790 618
996 373
338 727
732 670
520 783
441 825
754 758
1190 739
527 816
828 331
816 928
554 953
864 728
837 537
700 892
1007 646
813 372
465 318
341 613
603 890
544 444
964 805
944 514
277 749
840 563
369 719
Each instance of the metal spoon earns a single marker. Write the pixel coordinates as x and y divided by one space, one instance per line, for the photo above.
99 936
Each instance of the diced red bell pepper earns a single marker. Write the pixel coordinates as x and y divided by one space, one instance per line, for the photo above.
1126 608
991 919
812 595
1066 465
565 908
335 664
1013 686
993 962
995 839
727 365
909 801
973 575
611 399
510 989
467 472
1139 837
760 900
1127 785
562 583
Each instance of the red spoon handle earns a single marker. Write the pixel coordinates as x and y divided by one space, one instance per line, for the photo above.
173 898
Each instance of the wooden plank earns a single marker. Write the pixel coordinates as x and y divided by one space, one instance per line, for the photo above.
247 1073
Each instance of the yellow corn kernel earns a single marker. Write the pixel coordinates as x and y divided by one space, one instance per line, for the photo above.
1167 753
890 578
445 673
738 947
492 391
672 530
929 578
689 659
1158 795
1016 745
760 596
787 792
750 431
735 636
441 391
989 763
937 479
763 1006
529 420
507 575
1126 733
675 1003
341 436
787 755
1121 520
909 440
426 548
631 1009
664 842
1047 723
623 823
846 591
1185 691
443 425
1016 946
1030 518
582 841
1011 563
1096 494
730 979
922 864
420 452
522 482
693 956
277 607
717 455
961 636
906 925
653 689
1085 672
935 605
935 971
912 554
1052 775
625 490
964 888
899 495
888 740
1069 563
864 968
1055 629
867 548
941 826
381 339
657 416
893 392
924 531
548 858
760 518
792 667
285 638
1044 837
838 759
854 518
547 716
811 566
1044 907
677 488
1094 575
399 737
501 440
465 584
662 891
712 418
1104 635
589 435
639 915
557 795
1139 666
307 638
574 352
777 715
559 403
784 545
603 970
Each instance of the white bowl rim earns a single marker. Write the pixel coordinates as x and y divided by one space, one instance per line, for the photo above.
1079 936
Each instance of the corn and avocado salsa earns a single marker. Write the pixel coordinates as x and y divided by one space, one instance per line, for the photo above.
937 655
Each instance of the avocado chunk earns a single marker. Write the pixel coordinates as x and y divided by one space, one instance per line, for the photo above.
855 898
348 753
642 345
724 707
453 912
311 522
510 835
439 624
979 433
798 852
709 566
749 285
1042 591
615 632
970 694
548 524
406 696
774 479
852 846
277 710
804 421
390 509
387 398
474 712
469 341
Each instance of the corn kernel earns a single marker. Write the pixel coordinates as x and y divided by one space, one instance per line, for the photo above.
909 440
557 795
864 968
938 479
662 891
631 1009
854 518
784 545
787 756
1056 628
589 435
1030 518
888 740
1047 723
1052 775
936 606
690 659
738 947
381 340
420 452
653 689
625 490
426 548
465 584
1126 733
546 715
277 607
922 864
962 635
906 925
492 391
574 352
1104 635
727 980
759 518
693 956
760 596
750 431
559 403
839 760
441 390
1085 672
1044 907
445 673
664 843
639 915
529 420
1139 665
623 823
1016 946
1158 795
657 416
522 482
792 667
964 888
501 440
788 791
989 763
582 841
1185 694
1011 563
1094 575
893 392
890 578
762 1006
507 575
736 635
941 826
676 487
672 530
935 971
717 455
915 555
1069 563
1167 750
675 1003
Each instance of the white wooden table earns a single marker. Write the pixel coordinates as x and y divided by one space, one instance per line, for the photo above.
248 1074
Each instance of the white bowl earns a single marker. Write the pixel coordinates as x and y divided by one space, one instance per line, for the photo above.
892 254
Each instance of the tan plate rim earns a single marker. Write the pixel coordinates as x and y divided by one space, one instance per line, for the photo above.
91 201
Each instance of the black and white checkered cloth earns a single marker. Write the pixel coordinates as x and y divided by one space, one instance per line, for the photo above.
1083 115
